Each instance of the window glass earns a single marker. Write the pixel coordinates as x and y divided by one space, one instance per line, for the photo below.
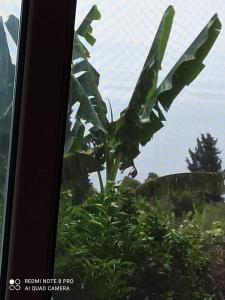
9 24
142 197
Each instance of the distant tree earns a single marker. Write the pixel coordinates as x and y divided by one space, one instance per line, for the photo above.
151 176
205 157
129 182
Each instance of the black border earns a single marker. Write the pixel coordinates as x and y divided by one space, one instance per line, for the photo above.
43 79
21 50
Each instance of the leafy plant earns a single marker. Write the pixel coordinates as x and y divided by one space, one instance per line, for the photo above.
75 179
113 145
210 218
209 213
117 246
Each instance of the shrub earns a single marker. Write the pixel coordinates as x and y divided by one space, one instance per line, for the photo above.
180 203
209 213
129 183
117 246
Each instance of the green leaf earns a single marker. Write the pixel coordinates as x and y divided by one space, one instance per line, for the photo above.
83 65
75 138
84 89
88 162
79 50
12 25
89 80
131 131
92 109
189 65
85 29
86 110
144 117
147 82
7 70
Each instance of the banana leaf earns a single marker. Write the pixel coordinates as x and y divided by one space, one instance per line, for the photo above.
189 65
7 70
144 116
85 29
84 89
12 25
7 73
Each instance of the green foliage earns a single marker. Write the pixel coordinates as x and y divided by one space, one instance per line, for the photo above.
210 218
75 177
209 213
84 92
7 72
115 144
191 182
129 183
151 176
119 247
183 192
179 203
205 157
12 25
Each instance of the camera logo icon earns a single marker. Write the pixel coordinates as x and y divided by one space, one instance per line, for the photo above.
14 284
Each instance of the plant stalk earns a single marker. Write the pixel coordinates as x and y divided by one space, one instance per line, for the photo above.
101 182
110 179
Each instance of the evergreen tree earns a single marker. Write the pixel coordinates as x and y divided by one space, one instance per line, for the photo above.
205 157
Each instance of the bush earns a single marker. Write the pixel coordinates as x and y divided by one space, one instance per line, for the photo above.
179 203
118 247
211 217
129 183
209 213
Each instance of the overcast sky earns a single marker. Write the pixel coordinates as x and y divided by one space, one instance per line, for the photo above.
8 7
124 36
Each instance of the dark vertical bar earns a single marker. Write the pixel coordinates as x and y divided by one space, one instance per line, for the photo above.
43 113
13 151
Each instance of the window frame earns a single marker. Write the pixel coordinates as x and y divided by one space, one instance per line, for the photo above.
37 143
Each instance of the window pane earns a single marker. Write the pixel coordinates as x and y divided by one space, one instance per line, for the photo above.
143 189
9 26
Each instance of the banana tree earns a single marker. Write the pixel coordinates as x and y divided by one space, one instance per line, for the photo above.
112 145
7 72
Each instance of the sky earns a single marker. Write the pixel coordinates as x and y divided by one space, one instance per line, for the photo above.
124 36
8 7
